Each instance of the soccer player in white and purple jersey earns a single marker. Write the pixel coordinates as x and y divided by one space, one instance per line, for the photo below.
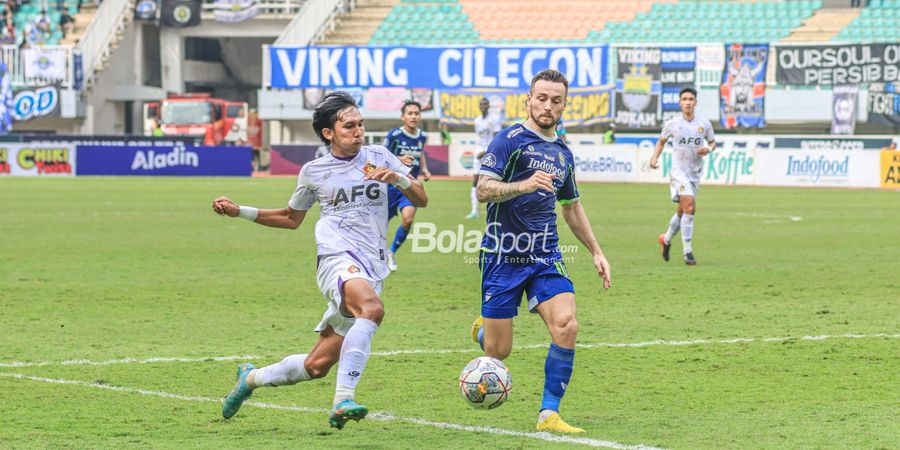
350 185
527 170
692 138
487 126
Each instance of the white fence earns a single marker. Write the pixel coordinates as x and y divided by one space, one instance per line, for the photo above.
40 66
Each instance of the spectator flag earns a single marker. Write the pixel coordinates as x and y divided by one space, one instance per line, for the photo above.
180 13
235 10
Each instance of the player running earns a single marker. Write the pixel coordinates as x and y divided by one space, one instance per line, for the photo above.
486 127
692 139
408 144
349 184
526 170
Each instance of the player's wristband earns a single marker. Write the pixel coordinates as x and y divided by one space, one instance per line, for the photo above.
248 212
403 182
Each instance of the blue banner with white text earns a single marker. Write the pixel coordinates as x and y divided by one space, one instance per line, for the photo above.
175 160
444 68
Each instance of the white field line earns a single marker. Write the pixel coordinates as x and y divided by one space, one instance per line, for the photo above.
86 362
472 349
650 343
543 436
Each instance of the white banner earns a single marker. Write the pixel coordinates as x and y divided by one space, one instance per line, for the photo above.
461 159
45 64
610 163
820 168
231 11
733 161
37 160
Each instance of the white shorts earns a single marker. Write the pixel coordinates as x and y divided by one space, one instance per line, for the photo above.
680 186
332 273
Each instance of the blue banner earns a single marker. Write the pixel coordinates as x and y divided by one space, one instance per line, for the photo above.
445 68
678 65
743 89
177 160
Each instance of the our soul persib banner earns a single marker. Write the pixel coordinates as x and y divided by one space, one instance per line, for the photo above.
814 65
444 68
743 89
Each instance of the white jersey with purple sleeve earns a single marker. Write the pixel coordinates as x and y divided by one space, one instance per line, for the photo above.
354 212
687 136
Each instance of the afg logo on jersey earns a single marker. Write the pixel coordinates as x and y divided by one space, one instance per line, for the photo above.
489 160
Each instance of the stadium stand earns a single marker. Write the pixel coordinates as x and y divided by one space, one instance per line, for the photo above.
41 22
412 22
717 21
879 22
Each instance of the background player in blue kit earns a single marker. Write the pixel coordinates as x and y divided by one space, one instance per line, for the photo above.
408 144
526 170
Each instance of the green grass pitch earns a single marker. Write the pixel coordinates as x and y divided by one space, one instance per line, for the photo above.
103 269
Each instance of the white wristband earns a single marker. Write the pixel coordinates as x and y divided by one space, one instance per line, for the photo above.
249 213
403 182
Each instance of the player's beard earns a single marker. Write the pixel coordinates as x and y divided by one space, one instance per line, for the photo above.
553 121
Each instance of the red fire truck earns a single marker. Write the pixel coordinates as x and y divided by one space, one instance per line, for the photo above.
215 120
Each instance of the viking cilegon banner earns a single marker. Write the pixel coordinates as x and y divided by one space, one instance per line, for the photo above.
444 68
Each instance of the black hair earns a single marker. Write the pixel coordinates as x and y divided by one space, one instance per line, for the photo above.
408 103
687 89
327 111
553 76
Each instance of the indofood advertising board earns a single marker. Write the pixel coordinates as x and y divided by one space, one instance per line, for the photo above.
834 168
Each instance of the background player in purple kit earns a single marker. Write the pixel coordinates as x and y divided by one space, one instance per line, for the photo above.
408 144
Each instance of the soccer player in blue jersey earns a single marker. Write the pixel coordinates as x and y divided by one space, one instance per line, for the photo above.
526 170
408 144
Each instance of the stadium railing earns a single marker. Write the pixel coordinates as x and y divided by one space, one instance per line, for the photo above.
314 18
18 72
96 44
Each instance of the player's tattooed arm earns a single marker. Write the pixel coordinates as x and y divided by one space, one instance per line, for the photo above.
494 191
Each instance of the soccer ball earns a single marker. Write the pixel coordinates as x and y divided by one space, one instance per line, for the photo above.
485 383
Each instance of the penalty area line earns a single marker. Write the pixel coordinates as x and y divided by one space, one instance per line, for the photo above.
385 417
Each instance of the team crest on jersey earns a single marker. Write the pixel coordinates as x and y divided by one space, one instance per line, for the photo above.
562 159
368 168
700 129
489 160
353 269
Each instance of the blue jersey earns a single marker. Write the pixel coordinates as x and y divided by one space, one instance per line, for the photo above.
401 143
526 225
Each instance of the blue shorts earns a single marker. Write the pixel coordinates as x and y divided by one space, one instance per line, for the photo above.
505 278
396 201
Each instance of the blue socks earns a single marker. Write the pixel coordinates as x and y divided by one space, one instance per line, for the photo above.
399 238
557 372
